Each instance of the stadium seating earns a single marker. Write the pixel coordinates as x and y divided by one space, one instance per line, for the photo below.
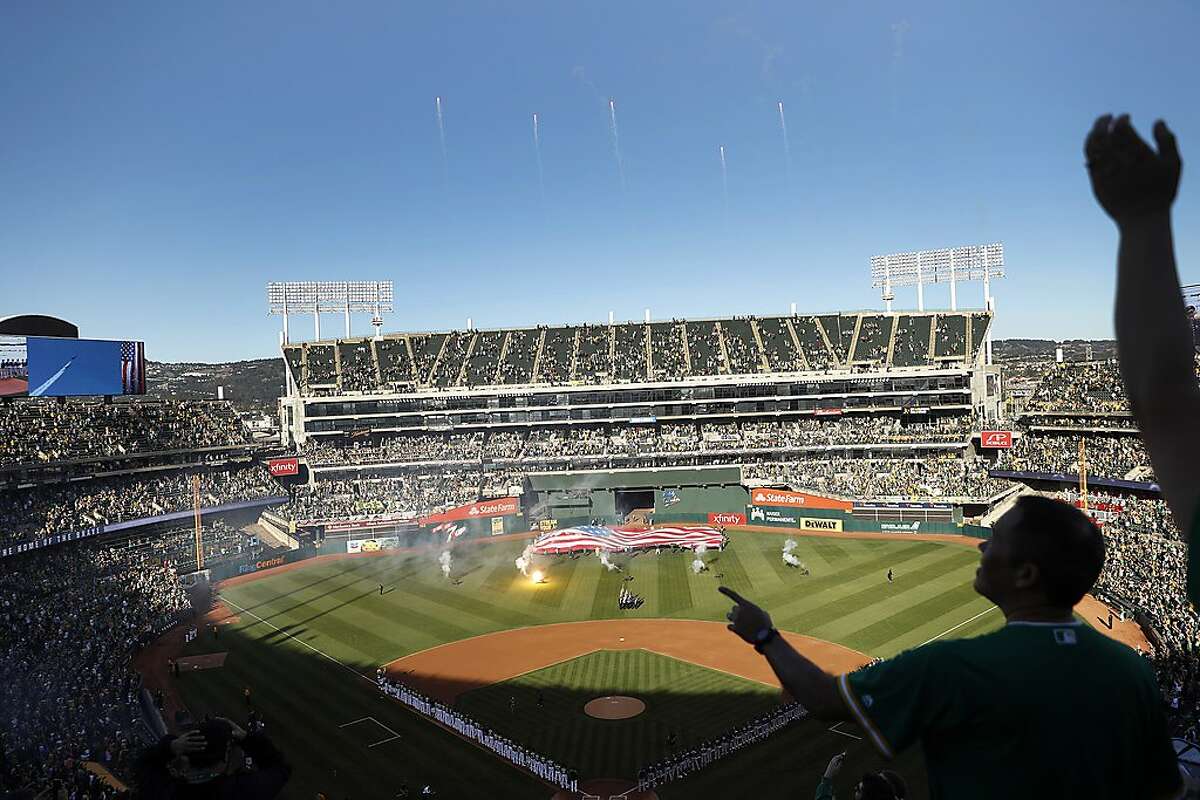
43 510
35 432
634 352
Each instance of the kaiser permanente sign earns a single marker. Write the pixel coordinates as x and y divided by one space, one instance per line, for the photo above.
778 498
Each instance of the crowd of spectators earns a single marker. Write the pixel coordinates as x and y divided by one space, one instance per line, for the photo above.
1081 386
408 448
69 619
639 440
1113 456
414 495
41 431
900 478
47 509
176 546
1145 571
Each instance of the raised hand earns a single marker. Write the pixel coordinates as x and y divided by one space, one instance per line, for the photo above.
1130 180
191 742
745 618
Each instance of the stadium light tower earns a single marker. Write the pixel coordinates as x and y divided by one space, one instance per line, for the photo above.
318 297
977 262
947 265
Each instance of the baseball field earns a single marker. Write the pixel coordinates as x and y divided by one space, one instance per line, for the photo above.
307 641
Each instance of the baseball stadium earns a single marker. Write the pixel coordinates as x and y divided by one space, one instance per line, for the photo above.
485 562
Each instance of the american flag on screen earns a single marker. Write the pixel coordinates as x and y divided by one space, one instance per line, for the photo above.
592 537
133 368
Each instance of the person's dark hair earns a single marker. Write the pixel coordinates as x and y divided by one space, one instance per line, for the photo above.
1063 542
883 785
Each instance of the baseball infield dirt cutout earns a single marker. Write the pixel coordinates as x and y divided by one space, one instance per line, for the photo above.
616 706
449 670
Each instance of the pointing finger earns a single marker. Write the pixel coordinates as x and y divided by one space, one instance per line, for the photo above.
731 594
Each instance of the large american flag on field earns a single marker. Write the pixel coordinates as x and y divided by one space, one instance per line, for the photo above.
133 368
593 537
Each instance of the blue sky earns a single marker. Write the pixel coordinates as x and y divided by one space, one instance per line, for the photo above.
159 162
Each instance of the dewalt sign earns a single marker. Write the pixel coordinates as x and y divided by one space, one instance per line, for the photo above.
820 525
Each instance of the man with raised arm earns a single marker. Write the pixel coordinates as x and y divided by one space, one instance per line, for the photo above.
1137 186
1045 707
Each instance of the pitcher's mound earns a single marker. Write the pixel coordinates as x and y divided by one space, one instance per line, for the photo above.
614 707
605 787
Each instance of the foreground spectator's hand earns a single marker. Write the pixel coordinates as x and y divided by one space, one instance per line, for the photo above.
1129 179
192 742
745 618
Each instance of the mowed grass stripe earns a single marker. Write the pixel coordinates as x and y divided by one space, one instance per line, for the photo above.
816 585
735 576
877 592
829 551
608 587
911 587
674 590
500 578
558 581
943 605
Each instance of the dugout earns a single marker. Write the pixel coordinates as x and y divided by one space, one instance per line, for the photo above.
687 494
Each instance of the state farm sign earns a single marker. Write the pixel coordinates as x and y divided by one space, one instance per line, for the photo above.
996 440
726 518
784 499
488 508
280 467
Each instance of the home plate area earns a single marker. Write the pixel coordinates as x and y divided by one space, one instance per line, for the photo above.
368 732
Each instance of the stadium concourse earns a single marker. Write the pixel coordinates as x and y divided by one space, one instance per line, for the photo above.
879 412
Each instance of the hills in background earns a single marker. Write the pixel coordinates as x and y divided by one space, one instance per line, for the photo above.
255 385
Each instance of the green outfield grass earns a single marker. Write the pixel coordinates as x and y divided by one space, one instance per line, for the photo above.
307 637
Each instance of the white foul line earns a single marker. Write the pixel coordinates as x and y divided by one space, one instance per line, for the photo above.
300 641
956 627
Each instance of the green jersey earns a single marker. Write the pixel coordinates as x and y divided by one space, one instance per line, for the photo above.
1034 710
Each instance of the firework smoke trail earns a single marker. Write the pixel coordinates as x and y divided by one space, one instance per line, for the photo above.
437 104
724 178
616 139
787 147
537 151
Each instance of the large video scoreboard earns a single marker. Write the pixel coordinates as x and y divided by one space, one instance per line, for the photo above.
40 366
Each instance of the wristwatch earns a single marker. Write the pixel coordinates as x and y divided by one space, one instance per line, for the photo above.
764 638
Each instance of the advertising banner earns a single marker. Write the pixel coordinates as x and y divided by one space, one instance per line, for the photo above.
497 526
764 515
262 563
784 499
900 527
487 508
996 440
726 518
547 525
372 545
820 524
281 467
40 366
